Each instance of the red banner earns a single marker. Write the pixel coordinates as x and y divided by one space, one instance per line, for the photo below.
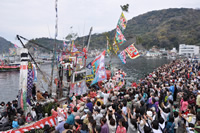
132 51
39 124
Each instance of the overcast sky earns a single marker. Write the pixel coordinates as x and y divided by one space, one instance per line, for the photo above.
36 18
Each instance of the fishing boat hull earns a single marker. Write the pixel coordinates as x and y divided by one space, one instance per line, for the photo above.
9 68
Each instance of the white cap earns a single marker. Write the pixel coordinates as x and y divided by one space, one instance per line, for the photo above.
60 119
149 113
110 108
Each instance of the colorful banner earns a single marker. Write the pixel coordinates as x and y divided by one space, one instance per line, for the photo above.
56 25
74 48
89 69
108 45
29 80
89 78
23 83
78 88
122 22
16 46
34 73
119 36
132 52
89 66
64 46
80 60
115 47
51 121
12 51
99 68
122 57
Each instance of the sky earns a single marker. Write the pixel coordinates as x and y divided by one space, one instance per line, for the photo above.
36 18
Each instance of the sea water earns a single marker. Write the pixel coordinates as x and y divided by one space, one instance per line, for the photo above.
135 69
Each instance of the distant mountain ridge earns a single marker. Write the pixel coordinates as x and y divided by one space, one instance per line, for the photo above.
165 28
5 45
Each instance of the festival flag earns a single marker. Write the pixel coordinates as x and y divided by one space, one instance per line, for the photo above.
29 82
122 57
119 36
16 46
23 84
85 52
108 46
115 46
34 70
64 44
89 66
122 22
89 69
56 25
99 68
12 51
34 48
132 52
74 48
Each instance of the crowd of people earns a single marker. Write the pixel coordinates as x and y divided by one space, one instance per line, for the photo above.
165 101
13 116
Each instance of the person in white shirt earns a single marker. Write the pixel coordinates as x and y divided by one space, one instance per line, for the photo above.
33 114
124 108
176 120
105 97
111 121
97 116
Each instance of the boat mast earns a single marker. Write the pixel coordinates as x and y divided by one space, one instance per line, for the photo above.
54 49
88 44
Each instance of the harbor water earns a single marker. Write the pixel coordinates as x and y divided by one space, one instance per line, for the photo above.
135 69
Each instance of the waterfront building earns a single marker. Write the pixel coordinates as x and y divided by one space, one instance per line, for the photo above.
188 50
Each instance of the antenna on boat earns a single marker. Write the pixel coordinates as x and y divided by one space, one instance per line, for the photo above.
84 35
88 43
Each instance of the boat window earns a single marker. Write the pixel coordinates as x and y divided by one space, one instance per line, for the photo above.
79 76
24 55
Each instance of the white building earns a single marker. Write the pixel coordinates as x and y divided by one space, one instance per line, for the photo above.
173 50
153 54
188 50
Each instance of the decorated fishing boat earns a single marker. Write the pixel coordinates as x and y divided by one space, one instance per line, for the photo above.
9 67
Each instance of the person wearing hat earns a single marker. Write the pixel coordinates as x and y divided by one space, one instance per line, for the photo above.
60 127
99 100
97 116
